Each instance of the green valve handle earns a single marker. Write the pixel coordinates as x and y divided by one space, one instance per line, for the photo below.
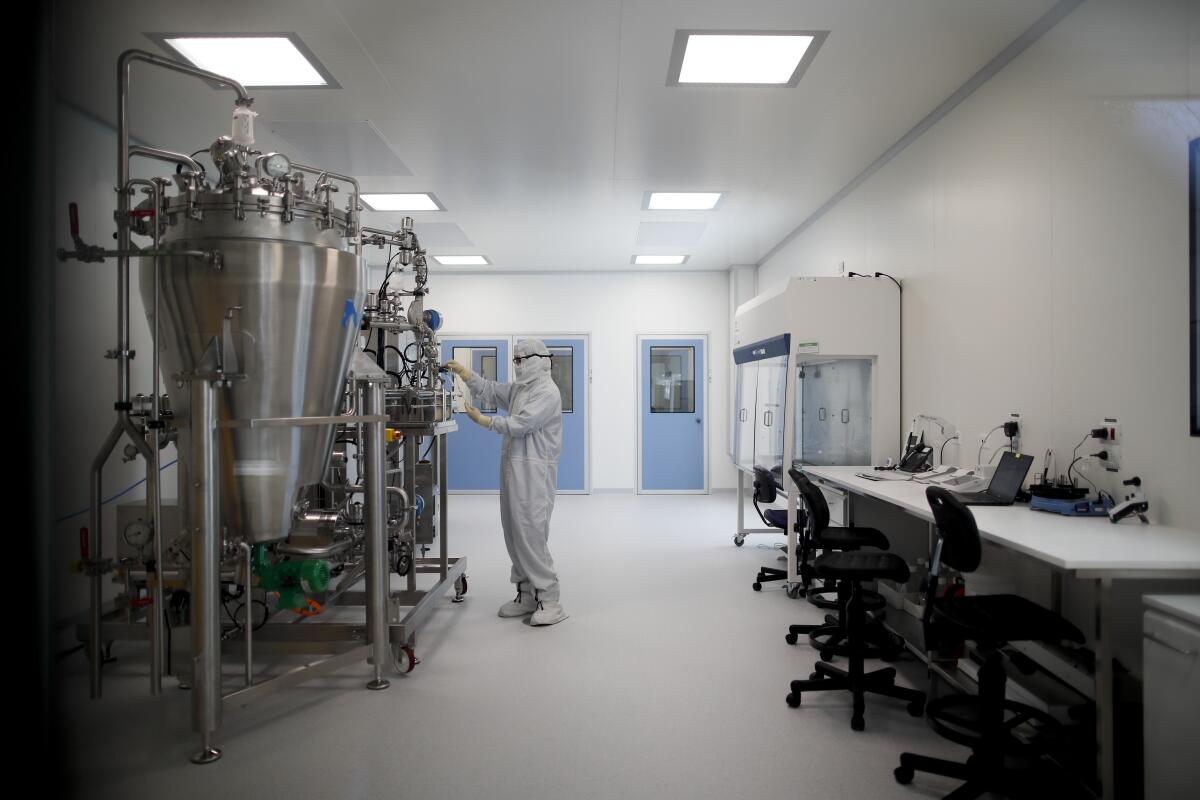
293 580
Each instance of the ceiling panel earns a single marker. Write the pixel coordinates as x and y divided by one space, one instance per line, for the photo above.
540 124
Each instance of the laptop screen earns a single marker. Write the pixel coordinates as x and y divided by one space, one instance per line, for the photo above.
1010 474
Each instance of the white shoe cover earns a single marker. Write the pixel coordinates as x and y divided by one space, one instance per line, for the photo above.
548 613
523 605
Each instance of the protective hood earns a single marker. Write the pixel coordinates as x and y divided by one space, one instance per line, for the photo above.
527 370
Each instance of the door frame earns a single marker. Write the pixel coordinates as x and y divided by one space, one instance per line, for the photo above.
442 337
587 371
707 386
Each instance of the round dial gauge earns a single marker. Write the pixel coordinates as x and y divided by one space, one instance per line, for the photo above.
277 165
138 534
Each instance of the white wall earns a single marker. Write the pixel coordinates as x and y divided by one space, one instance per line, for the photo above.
613 309
1041 234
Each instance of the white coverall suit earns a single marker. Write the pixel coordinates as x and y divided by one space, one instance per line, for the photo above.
532 434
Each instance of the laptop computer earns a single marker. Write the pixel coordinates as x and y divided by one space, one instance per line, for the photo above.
1005 484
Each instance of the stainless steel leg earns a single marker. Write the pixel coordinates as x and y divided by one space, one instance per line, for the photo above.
248 593
741 493
1104 687
206 572
444 524
1056 591
375 481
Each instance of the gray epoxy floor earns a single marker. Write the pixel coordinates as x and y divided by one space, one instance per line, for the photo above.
667 681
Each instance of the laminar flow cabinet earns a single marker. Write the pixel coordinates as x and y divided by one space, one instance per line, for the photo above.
817 383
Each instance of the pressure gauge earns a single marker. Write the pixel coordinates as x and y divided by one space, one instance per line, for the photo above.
277 165
138 534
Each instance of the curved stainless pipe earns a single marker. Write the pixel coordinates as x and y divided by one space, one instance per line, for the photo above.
319 551
165 155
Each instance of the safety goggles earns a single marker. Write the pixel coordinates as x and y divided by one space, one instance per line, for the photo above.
519 359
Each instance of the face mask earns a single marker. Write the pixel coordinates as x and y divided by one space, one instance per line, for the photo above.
526 370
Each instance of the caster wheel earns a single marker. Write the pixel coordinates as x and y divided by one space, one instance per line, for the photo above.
826 655
739 540
816 676
793 700
904 775
406 660
790 638
757 586
857 723
794 592
460 589
916 708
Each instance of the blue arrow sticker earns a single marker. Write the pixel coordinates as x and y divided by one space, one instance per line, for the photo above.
349 314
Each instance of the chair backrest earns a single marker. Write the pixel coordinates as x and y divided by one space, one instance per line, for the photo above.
764 485
814 500
959 545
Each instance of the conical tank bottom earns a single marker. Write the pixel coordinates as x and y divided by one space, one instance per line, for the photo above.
294 309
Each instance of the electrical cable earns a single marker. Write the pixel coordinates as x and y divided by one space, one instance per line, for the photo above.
117 496
942 451
983 443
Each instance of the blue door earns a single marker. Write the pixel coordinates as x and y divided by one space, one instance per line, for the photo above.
673 377
473 454
568 367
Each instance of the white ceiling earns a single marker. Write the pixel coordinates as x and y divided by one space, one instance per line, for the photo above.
539 124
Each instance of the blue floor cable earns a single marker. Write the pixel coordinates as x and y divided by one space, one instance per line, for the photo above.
117 496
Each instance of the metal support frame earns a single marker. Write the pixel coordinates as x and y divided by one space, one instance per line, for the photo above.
377 564
206 571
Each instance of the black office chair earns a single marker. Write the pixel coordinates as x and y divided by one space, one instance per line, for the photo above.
988 723
765 492
820 536
850 569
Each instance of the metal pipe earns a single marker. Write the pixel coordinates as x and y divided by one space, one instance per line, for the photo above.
164 155
354 205
151 453
316 551
249 628
442 506
94 554
377 567
206 567
207 255
410 477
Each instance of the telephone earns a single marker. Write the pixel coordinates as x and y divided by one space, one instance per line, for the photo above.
918 456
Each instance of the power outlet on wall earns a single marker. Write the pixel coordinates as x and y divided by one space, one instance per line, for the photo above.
1111 445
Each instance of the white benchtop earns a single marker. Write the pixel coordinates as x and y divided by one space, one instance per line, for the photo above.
1069 543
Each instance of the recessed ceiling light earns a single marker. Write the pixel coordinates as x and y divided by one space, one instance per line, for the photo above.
260 60
742 58
401 201
462 261
682 201
659 260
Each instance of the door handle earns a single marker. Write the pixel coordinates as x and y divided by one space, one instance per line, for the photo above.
1170 646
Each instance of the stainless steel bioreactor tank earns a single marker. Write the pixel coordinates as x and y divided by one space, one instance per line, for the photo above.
287 298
